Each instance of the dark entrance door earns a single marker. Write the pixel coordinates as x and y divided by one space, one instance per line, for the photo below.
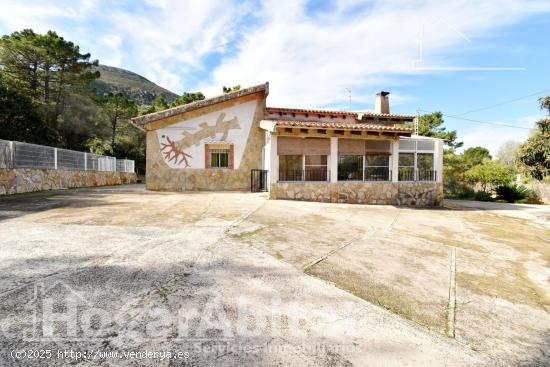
258 180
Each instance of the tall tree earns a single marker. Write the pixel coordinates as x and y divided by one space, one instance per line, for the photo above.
507 153
474 156
432 125
489 174
19 118
455 166
545 103
534 153
47 66
22 59
188 97
51 72
118 109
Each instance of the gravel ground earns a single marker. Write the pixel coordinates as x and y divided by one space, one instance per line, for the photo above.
211 276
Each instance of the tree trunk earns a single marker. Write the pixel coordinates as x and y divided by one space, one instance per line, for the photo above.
113 136
47 84
114 123
34 78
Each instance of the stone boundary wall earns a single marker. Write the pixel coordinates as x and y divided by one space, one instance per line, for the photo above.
20 180
385 193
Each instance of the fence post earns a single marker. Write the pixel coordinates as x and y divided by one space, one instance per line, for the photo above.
54 158
12 155
85 161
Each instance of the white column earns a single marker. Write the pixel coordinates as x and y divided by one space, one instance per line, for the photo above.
12 156
438 160
55 158
395 160
333 159
266 152
273 175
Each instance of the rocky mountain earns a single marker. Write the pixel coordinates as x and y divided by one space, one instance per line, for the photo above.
131 85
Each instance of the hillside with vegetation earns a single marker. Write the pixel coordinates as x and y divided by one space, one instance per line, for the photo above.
52 93
131 85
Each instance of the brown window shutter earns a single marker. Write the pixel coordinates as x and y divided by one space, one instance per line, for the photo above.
351 146
206 156
316 146
290 145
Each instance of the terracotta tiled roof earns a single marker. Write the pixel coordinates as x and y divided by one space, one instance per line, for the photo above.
306 110
336 113
341 125
140 121
388 115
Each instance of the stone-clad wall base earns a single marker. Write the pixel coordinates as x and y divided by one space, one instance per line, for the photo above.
20 180
385 193
198 180
420 194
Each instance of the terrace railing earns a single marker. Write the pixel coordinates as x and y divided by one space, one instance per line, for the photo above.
354 174
377 174
410 174
14 154
308 174
426 175
406 174
368 174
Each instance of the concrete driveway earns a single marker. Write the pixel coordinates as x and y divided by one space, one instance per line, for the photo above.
121 276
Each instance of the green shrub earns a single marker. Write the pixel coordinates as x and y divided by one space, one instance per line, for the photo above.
465 193
512 193
483 196
489 174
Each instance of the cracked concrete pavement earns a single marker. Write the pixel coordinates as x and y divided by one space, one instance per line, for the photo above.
122 269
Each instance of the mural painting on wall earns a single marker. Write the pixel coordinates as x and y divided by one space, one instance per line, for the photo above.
175 150
181 143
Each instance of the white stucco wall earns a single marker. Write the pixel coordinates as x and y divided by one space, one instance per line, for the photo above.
228 126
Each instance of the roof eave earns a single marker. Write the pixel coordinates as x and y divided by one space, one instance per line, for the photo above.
142 121
318 126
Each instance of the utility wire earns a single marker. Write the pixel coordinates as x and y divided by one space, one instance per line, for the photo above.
500 103
481 122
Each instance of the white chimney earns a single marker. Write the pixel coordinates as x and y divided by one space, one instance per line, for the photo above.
382 104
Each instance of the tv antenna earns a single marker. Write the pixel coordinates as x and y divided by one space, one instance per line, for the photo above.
349 96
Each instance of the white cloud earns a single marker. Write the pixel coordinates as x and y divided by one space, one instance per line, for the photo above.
492 136
308 60
17 15
113 54
170 39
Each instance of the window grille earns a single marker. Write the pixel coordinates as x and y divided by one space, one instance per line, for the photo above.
219 158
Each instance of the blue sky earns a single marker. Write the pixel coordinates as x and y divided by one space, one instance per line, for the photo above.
451 56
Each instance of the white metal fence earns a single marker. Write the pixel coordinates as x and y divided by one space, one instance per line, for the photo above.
14 154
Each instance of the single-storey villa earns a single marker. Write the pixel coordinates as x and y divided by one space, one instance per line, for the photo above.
234 142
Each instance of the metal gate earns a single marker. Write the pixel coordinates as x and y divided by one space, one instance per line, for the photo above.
258 180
